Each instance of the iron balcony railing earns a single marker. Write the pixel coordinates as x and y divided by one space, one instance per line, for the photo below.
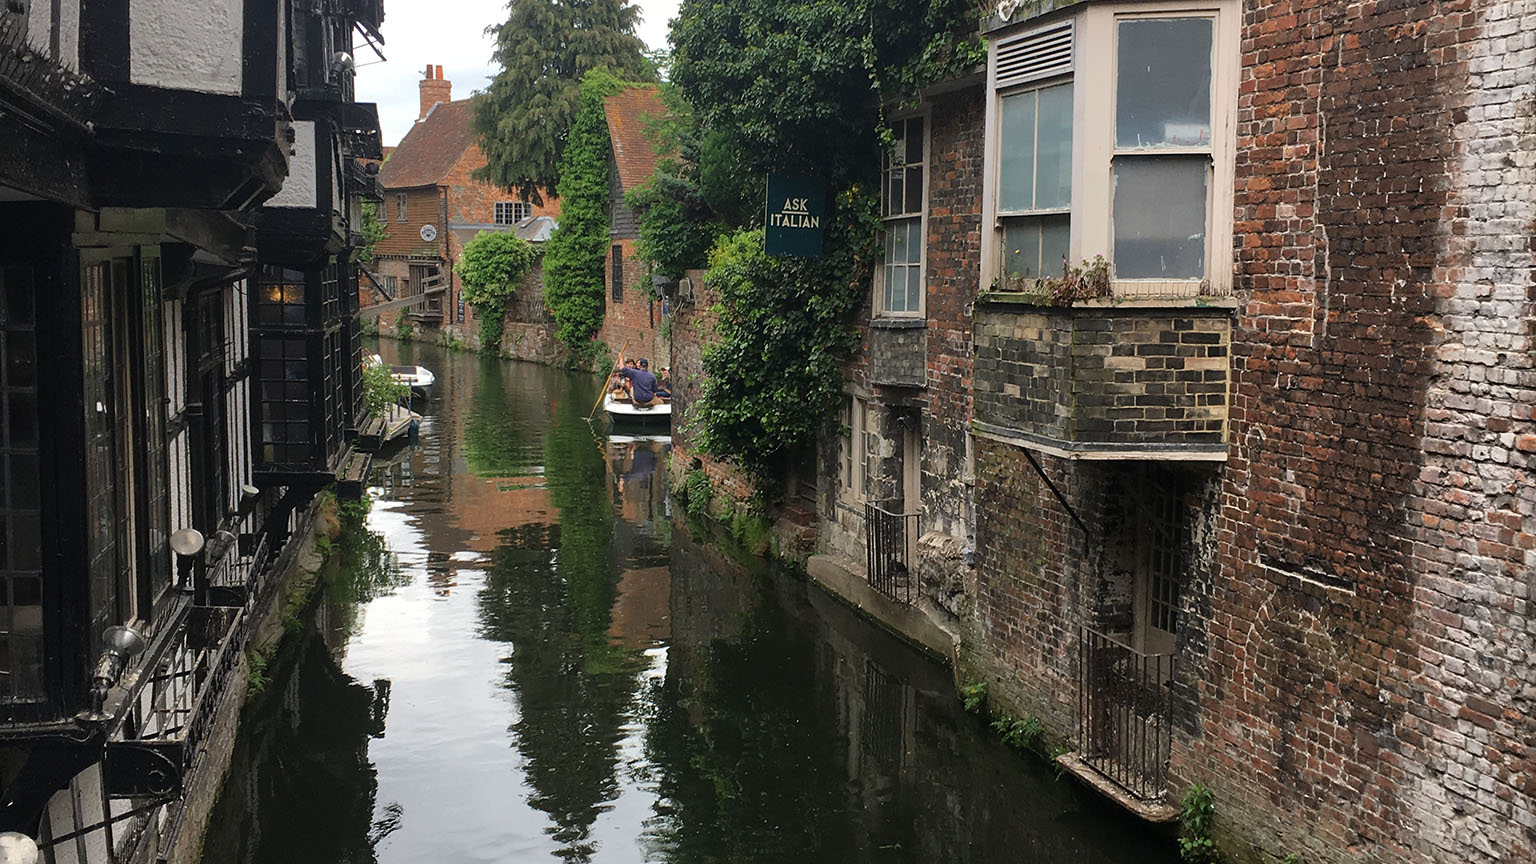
1123 713
890 547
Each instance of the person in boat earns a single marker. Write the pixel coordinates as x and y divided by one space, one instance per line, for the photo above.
642 384
664 384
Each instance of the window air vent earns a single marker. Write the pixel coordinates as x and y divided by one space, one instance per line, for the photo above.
1035 55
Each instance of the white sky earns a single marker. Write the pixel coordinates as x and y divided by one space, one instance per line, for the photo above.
450 34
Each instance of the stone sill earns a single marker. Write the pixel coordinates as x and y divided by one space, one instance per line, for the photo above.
1152 811
1093 451
898 323
1024 298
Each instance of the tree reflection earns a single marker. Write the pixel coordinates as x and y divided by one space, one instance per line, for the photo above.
549 592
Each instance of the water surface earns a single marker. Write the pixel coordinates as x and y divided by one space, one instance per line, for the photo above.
517 657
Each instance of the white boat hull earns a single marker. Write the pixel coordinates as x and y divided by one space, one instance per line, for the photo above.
626 412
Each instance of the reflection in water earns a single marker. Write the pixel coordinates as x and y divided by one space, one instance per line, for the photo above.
565 679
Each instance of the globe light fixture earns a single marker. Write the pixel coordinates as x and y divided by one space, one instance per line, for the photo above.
18 848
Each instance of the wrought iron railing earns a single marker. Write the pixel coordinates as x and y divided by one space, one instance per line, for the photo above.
1123 713
890 551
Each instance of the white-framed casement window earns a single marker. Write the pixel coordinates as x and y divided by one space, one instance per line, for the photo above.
853 480
903 203
512 212
400 206
1111 133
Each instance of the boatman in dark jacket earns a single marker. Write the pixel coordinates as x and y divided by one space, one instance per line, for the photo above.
642 383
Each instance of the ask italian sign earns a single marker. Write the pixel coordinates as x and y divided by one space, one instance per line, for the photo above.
797 215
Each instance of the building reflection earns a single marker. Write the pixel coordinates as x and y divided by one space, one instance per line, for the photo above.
790 728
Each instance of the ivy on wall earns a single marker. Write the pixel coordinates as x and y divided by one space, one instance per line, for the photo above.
797 86
574 257
492 266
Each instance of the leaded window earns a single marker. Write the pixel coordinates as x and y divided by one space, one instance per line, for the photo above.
21 610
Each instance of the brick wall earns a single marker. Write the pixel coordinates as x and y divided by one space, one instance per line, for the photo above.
632 324
1370 656
1103 379
528 331
473 202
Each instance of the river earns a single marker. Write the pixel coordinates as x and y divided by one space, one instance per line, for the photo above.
517 657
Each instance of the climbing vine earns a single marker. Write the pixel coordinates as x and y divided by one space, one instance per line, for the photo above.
573 259
792 86
493 265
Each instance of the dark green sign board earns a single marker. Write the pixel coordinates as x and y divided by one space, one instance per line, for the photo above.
797 215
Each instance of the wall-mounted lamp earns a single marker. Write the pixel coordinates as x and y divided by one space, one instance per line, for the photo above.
18 848
187 542
119 645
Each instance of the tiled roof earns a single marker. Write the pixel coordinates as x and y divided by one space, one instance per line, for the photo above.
628 113
430 150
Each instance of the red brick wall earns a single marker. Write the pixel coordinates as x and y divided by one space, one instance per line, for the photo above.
632 325
1378 400
472 201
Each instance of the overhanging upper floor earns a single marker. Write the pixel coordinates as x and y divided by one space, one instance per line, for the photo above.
1102 381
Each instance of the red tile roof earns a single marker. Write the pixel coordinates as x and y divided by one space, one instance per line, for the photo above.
430 150
629 112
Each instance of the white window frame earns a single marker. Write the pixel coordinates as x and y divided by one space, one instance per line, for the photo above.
1093 146
402 206
878 303
853 455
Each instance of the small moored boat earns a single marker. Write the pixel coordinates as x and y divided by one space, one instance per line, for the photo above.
625 411
419 378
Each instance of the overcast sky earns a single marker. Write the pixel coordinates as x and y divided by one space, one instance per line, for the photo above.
450 34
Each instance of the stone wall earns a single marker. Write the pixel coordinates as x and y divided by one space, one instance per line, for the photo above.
1103 378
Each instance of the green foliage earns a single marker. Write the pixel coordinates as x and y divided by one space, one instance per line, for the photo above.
773 372
373 230
256 674
974 696
369 326
492 266
403 327
1195 818
573 261
524 119
796 86
1021 733
698 493
677 226
1085 281
380 389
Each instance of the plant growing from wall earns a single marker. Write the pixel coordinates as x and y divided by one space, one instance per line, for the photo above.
974 697
492 266
1020 733
574 257
373 230
403 327
1087 280
1198 811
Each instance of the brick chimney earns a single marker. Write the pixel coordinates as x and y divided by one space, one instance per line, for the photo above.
434 89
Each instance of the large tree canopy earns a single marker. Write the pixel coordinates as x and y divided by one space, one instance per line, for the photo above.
544 49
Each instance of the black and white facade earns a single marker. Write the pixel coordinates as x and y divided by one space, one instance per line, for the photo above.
179 377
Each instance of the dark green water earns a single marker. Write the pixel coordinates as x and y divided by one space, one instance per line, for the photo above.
517 658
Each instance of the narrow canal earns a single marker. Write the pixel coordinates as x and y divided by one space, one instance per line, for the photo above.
516 657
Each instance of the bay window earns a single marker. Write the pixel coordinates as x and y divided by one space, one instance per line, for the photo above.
1110 134
902 202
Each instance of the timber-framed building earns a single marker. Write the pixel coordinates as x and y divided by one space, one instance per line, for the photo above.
179 191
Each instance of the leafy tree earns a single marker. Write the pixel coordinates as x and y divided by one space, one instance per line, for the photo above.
573 261
491 268
544 48
677 224
796 86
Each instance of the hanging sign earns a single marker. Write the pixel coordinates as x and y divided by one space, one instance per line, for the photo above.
796 217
